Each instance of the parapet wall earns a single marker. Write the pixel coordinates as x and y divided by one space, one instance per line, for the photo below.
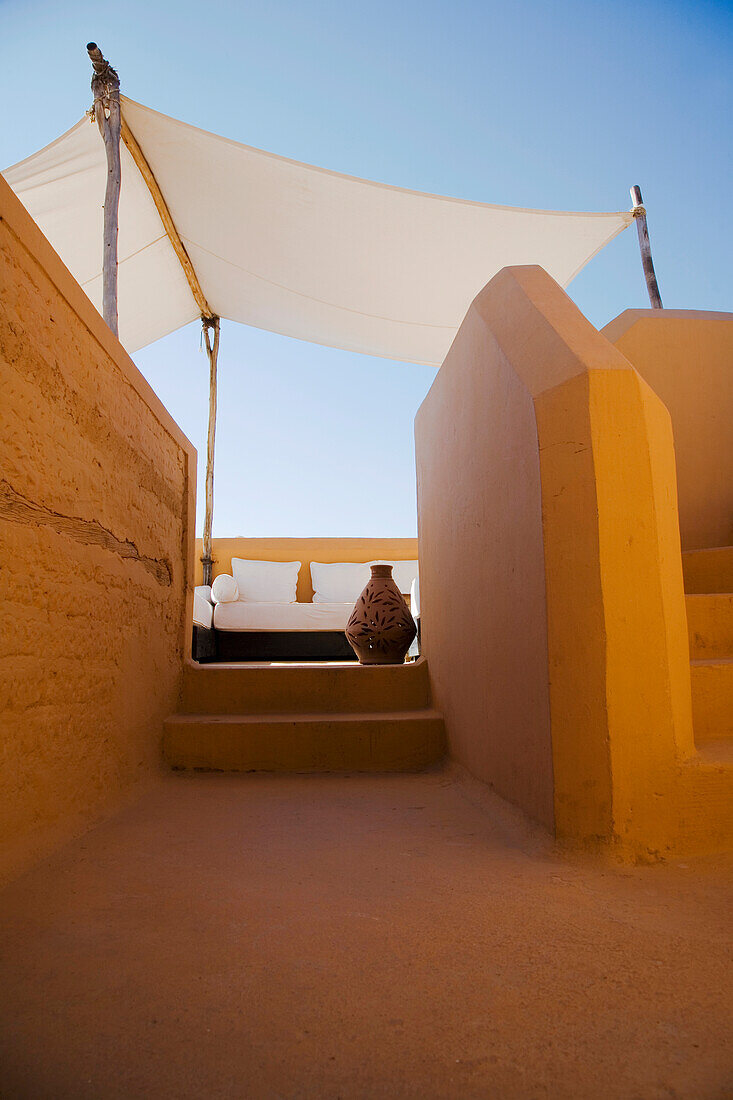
686 357
304 550
482 577
552 598
96 533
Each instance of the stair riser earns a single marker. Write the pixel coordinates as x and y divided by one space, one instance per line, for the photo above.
708 570
712 701
390 745
710 626
298 690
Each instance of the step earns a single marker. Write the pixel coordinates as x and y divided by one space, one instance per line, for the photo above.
710 625
718 753
387 742
304 689
708 570
704 799
712 699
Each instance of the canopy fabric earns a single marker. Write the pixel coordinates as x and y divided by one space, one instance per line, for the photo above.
285 246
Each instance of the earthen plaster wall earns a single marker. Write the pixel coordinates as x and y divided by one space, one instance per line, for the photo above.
96 537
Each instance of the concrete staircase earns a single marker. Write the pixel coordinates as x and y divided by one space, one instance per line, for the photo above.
305 718
709 599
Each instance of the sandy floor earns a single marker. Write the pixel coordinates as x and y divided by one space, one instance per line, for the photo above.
333 937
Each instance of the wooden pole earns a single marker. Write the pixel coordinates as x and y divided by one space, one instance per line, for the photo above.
209 320
112 126
212 350
645 247
106 91
165 216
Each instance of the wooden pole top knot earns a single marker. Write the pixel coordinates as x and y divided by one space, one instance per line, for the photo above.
638 209
105 79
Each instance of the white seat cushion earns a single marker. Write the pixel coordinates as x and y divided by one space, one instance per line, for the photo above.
282 616
202 610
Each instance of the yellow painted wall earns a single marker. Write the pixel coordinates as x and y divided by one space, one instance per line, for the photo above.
304 550
530 383
687 359
96 527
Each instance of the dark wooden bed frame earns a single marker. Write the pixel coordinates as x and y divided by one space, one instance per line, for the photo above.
203 646
269 645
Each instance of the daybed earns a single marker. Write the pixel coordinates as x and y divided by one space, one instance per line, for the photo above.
203 647
252 614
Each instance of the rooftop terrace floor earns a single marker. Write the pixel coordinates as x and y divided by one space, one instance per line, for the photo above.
390 936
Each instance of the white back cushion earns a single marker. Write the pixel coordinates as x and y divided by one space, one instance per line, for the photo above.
339 582
343 582
403 574
266 581
415 598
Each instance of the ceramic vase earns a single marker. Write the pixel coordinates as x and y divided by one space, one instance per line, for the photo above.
381 627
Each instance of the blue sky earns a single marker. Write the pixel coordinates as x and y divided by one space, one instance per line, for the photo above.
561 105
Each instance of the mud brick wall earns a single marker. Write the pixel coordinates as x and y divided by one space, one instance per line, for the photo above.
96 540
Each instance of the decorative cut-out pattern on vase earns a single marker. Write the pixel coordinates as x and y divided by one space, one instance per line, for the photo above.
381 627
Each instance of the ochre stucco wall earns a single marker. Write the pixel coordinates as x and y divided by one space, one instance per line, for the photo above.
96 509
687 359
304 550
541 450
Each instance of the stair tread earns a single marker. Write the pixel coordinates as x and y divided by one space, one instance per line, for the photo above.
699 662
718 751
292 668
307 717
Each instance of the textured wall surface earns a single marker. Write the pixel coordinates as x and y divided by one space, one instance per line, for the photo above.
687 359
96 486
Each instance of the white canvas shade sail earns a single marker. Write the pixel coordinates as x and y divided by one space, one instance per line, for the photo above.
286 246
